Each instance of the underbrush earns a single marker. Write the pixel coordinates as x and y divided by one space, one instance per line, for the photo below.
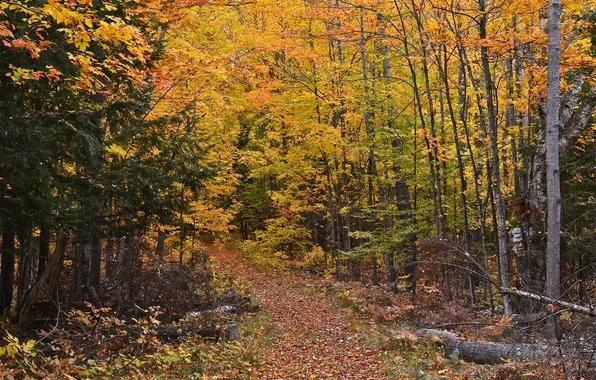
388 321
96 344
175 326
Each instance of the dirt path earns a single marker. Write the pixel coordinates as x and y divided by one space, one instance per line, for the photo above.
313 339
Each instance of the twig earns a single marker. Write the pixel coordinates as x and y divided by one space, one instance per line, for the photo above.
57 321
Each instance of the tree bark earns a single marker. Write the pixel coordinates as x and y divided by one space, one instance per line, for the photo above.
44 248
95 260
372 162
443 69
82 258
8 263
495 353
433 148
46 284
175 332
574 118
553 186
161 243
552 301
480 209
496 174
402 191
26 267
332 219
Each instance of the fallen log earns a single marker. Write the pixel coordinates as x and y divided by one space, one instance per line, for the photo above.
588 310
495 353
229 332
222 310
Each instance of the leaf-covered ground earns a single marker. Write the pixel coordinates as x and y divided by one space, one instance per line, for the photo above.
312 338
318 329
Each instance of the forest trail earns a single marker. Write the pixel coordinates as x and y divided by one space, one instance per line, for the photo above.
312 337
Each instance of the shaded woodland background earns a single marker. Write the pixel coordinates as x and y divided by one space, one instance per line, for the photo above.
389 142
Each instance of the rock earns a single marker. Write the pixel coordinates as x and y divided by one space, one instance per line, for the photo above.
231 333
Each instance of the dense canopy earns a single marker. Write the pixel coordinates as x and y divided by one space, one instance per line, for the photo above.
404 143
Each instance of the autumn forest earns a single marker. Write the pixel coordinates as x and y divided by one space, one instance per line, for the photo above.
342 189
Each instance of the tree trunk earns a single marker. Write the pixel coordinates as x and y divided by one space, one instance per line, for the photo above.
588 310
435 182
46 284
480 209
496 174
175 332
44 248
402 192
109 257
460 164
553 242
332 219
95 264
8 263
495 353
432 146
81 260
372 163
345 224
389 256
26 267
161 243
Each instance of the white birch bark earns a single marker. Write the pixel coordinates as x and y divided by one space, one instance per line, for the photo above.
553 188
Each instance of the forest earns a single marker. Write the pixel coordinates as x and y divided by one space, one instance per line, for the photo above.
340 189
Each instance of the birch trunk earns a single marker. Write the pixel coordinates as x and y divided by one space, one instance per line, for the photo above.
553 242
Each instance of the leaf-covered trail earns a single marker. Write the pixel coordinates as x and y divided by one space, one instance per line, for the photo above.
312 338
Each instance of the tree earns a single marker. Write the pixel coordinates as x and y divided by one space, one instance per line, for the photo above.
553 243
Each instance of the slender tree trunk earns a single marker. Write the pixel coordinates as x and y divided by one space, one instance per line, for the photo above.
8 264
433 146
26 267
460 164
553 242
44 248
402 191
182 230
389 256
81 276
372 163
95 260
161 243
93 239
477 169
496 174
339 121
109 257
435 181
434 162
523 143
332 220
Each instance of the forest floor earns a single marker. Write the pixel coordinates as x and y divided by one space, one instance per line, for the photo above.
311 337
293 325
316 328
